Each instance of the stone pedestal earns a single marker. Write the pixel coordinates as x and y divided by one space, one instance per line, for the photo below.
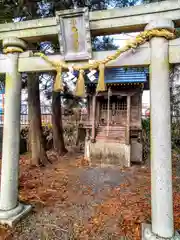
10 209
147 234
161 164
109 153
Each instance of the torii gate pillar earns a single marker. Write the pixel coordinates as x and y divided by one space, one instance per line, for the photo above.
161 164
10 209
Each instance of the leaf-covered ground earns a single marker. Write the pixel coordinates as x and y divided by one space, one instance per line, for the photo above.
72 200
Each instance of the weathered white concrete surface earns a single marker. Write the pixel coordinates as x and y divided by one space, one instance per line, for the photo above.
174 51
9 206
110 153
10 157
32 30
141 57
148 235
15 215
161 165
131 19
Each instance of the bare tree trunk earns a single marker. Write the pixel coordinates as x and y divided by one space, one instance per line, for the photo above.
37 144
171 83
57 125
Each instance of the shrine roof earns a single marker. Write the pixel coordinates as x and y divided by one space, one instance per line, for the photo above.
122 75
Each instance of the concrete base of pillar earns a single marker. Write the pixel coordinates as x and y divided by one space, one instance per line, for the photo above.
148 235
13 216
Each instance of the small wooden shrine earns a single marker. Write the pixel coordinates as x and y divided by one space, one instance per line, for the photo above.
113 125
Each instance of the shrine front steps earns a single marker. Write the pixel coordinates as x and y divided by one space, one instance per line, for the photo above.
110 139
114 134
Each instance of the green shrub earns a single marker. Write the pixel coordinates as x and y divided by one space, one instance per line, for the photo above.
146 138
175 136
70 135
175 133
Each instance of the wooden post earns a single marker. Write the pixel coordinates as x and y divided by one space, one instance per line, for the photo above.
93 118
108 109
140 108
88 109
97 112
128 119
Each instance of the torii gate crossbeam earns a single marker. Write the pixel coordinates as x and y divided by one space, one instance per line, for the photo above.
158 55
112 21
139 58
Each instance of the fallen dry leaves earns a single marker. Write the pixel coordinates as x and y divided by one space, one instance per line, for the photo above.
130 205
121 212
82 162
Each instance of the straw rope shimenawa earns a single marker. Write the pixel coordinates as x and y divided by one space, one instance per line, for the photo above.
100 65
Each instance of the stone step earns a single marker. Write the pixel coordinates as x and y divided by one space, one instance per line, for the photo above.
109 139
115 133
115 128
110 133
112 129
111 136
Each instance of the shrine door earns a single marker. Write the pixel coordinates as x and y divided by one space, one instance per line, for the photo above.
117 110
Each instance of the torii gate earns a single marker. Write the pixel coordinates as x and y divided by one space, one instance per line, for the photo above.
159 54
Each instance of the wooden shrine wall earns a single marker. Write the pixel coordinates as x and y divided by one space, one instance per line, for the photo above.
136 109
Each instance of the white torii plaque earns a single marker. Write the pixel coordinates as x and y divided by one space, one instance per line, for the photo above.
74 34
